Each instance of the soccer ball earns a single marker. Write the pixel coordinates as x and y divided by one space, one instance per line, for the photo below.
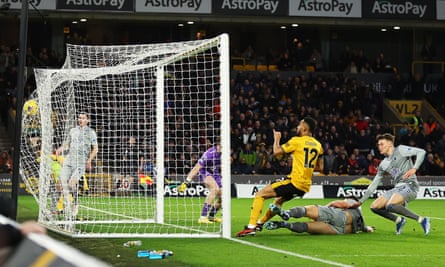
31 107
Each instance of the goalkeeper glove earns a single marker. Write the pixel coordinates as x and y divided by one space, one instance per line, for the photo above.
183 187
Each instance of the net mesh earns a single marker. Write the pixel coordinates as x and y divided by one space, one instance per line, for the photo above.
155 109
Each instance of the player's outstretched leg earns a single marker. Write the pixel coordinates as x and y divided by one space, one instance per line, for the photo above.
284 214
273 225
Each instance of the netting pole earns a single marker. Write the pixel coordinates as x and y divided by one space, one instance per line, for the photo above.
160 124
225 134
18 117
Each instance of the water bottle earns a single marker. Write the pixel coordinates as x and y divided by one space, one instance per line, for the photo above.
132 243
154 254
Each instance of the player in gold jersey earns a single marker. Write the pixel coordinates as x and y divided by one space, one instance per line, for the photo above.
305 151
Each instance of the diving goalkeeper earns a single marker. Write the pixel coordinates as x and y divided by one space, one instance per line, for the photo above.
336 218
209 169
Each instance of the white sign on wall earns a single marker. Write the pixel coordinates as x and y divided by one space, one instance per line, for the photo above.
431 192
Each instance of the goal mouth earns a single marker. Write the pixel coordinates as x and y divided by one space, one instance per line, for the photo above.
155 109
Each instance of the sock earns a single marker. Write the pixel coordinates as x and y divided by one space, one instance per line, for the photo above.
399 209
266 217
297 212
75 196
213 211
255 210
205 209
299 227
385 213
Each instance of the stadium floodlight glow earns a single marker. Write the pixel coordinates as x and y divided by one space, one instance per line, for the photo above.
74 22
180 24
190 22
126 89
383 29
283 27
396 27
295 25
83 20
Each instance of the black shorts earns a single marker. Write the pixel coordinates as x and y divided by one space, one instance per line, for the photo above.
287 190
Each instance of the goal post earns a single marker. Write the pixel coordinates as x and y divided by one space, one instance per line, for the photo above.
156 109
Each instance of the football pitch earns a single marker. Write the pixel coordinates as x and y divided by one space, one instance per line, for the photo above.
281 247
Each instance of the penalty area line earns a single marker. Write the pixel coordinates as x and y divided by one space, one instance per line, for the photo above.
289 253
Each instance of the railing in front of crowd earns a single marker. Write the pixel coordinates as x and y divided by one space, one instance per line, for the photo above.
426 62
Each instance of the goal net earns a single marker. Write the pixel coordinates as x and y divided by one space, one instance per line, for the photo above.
155 110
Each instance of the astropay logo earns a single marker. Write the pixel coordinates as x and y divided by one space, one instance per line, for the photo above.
434 192
270 6
407 8
348 191
325 6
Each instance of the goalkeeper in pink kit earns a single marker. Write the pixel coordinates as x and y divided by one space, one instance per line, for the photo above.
209 169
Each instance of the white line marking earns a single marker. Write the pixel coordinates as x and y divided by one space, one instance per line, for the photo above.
437 218
289 253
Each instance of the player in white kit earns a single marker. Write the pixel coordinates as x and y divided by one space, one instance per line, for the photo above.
399 164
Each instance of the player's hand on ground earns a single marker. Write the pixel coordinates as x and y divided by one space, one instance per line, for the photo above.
182 187
370 229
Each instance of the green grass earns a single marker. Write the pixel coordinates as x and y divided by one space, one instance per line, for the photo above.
382 248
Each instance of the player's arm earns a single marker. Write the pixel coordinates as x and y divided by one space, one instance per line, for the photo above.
341 204
371 188
408 151
65 145
93 154
189 177
62 148
277 149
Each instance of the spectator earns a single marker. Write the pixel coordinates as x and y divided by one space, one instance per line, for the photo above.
283 167
416 121
241 167
263 156
372 169
430 125
267 169
430 167
342 164
285 63
361 159
329 167
249 154
316 60
5 162
354 168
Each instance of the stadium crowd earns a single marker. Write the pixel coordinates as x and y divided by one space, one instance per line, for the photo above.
348 112
349 117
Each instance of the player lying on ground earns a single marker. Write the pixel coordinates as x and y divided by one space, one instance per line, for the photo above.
333 219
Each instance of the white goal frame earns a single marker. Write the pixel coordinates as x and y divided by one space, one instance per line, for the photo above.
121 62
